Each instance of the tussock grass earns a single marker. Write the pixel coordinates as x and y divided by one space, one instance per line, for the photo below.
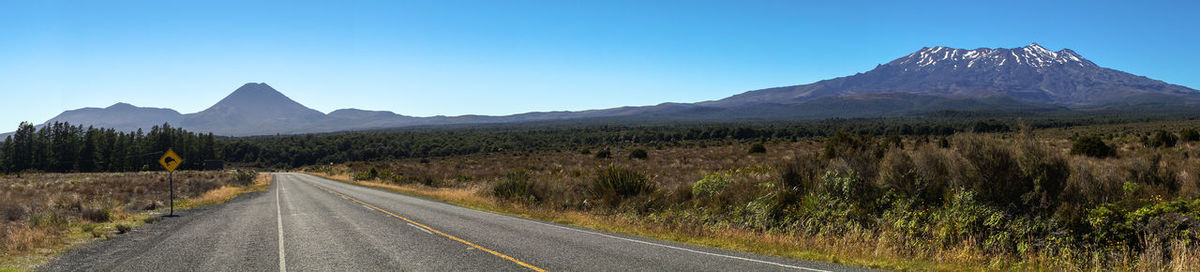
1012 201
45 214
259 182
837 249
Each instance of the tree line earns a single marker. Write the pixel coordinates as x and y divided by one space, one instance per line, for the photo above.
62 147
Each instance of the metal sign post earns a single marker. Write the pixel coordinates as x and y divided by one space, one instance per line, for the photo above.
170 161
171 179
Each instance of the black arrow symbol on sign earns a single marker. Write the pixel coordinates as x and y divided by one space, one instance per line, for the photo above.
168 160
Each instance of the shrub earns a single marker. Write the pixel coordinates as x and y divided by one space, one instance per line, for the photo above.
843 144
639 154
1148 169
245 177
1093 183
758 148
848 185
15 213
801 174
615 182
516 185
49 220
1092 146
367 175
711 184
98 215
898 172
1045 170
860 153
1161 138
935 169
994 172
603 154
123 228
893 141
1189 135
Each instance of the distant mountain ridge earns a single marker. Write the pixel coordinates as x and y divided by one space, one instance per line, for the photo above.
120 117
1020 80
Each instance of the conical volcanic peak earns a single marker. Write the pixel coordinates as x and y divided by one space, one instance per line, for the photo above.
254 108
256 93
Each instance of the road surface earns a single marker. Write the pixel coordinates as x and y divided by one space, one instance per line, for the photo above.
307 223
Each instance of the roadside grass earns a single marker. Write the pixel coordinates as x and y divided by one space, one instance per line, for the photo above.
846 250
27 246
225 193
968 202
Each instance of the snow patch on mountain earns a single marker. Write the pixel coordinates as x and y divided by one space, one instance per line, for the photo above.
1033 55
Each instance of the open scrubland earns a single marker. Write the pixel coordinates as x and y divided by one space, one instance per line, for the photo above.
43 213
1107 197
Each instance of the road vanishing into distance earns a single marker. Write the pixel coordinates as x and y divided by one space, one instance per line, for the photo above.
308 223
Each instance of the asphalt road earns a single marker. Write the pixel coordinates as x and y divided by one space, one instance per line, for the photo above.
307 223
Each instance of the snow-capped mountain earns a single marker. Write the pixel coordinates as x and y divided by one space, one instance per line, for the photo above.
1031 73
1034 55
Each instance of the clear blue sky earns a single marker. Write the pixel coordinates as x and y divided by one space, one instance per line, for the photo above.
452 57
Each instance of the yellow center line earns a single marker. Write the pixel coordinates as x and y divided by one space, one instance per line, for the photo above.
410 221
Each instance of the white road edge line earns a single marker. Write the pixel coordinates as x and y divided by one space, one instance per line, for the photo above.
279 223
653 244
420 228
686 249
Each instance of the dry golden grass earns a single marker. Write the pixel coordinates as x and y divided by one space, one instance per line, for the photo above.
43 214
227 192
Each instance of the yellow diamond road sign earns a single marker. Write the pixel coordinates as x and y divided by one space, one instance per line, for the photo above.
170 160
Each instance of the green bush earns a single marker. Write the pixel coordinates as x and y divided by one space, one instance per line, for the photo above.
1046 171
367 175
934 169
516 185
757 148
639 154
802 173
603 154
1092 146
123 228
861 153
848 185
246 176
1189 135
843 145
1152 224
98 215
1021 176
711 184
1149 169
898 173
1161 138
993 170
614 182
